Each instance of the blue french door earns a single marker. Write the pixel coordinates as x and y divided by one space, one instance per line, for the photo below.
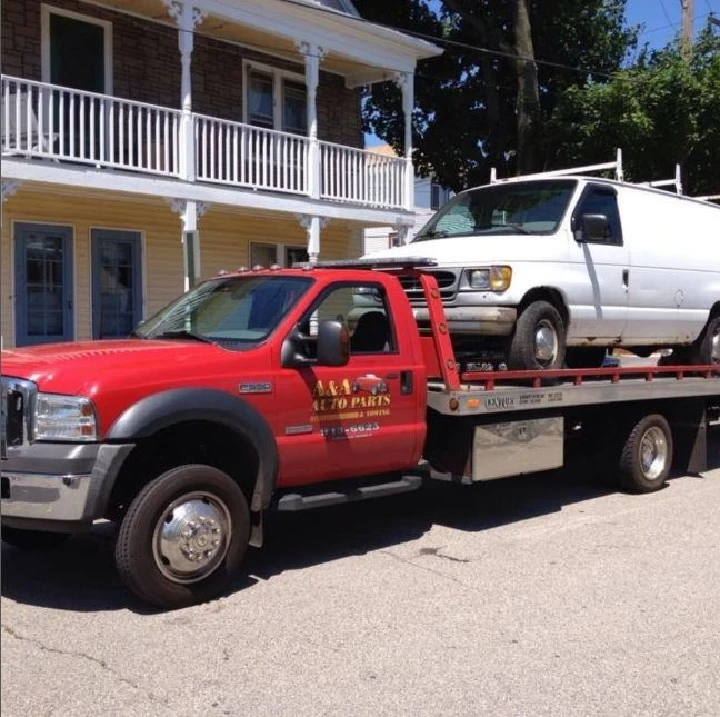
43 284
116 283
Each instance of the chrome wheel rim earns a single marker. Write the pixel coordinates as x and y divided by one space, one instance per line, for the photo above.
192 537
653 453
545 343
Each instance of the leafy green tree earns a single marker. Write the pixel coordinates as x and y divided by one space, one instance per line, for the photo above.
662 111
467 106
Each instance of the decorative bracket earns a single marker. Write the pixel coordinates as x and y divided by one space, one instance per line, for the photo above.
306 221
309 50
179 206
175 8
8 188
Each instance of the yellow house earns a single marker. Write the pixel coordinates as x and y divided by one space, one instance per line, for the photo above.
148 143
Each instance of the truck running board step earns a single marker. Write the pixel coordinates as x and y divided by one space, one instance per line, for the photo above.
295 501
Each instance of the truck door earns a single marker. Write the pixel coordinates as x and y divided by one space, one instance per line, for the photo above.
364 418
598 291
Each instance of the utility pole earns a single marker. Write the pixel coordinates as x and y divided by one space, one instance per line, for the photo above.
687 27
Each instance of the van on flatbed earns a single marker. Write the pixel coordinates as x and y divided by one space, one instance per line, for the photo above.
249 393
555 269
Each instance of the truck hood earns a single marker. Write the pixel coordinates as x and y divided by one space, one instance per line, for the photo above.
78 367
478 250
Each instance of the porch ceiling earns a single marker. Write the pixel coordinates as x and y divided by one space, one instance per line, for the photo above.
359 51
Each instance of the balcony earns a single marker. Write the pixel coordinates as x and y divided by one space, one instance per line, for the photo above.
44 121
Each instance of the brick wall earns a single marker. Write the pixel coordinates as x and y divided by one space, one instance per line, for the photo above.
146 67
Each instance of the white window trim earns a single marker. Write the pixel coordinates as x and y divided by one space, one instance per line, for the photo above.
278 75
45 11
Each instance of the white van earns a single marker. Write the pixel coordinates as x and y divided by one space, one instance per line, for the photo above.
552 271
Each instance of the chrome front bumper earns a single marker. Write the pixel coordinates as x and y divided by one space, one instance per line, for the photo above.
45 497
482 320
59 483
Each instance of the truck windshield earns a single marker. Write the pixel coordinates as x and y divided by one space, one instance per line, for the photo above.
235 312
533 207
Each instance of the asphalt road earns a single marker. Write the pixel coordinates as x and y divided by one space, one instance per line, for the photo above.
549 595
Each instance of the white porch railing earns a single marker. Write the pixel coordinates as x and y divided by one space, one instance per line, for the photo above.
235 153
356 175
40 120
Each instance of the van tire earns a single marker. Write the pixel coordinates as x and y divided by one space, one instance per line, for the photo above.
539 320
197 499
706 349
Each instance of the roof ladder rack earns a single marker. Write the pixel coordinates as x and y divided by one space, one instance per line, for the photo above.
676 180
615 165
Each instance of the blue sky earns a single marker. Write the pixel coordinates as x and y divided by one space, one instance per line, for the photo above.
661 20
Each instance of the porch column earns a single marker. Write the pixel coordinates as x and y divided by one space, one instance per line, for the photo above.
313 226
312 54
406 82
187 18
189 211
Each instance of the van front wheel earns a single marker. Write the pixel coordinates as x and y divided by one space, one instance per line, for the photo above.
538 342
706 350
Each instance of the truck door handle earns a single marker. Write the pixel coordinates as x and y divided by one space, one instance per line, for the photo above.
626 278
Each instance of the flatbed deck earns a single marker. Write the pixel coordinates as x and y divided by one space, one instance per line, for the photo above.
508 392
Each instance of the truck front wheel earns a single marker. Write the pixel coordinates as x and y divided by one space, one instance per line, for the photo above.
183 537
538 341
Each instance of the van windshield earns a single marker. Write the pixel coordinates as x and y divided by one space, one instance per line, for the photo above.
234 312
533 207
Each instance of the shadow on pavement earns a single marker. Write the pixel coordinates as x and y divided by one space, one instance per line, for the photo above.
80 575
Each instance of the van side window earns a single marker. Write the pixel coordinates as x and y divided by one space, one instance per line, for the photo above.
364 309
603 201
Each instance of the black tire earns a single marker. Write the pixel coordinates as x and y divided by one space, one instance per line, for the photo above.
637 474
32 539
585 357
706 349
138 545
522 354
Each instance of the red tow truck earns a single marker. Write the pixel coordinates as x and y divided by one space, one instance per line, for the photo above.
289 389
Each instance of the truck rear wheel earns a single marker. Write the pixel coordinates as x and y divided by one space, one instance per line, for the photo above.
646 455
183 537
538 341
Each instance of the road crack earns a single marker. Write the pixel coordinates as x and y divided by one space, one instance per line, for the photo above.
427 569
96 660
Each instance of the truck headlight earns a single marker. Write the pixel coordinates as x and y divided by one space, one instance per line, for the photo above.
64 418
491 278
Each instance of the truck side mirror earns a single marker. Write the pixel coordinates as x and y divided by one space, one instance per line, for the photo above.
333 343
331 347
593 227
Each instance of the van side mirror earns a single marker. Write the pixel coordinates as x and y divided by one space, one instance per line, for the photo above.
593 227
333 343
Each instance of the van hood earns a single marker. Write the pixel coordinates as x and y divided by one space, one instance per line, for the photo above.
79 367
466 251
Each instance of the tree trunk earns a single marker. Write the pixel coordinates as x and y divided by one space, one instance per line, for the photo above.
528 97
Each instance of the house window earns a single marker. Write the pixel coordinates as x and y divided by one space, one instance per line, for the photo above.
275 100
116 283
266 255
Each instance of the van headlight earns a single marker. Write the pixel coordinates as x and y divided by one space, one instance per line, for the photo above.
64 418
491 278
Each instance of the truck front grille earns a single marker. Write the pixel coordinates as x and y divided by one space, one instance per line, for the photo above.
447 283
16 400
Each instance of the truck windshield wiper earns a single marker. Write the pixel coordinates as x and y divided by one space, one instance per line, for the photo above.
517 227
183 334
